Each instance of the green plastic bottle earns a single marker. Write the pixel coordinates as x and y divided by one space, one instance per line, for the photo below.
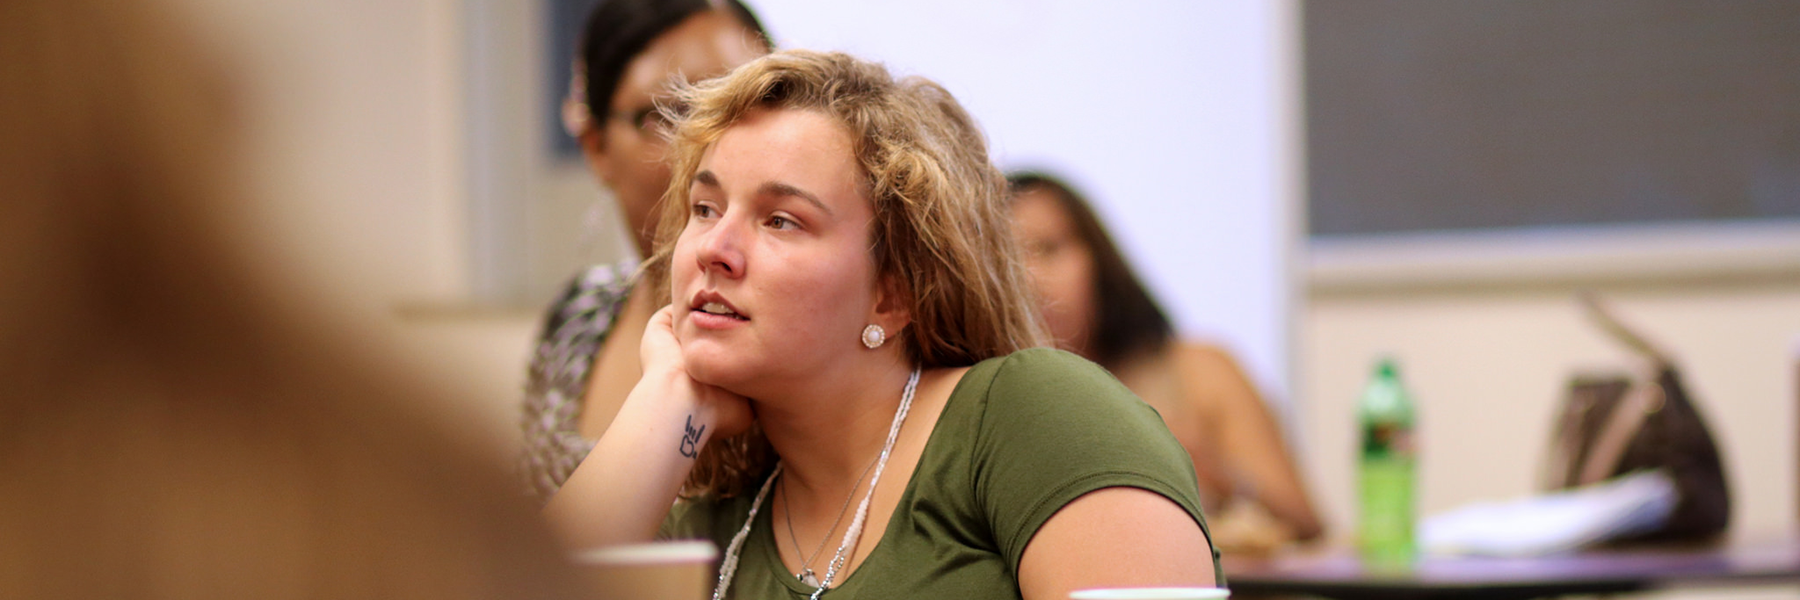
1385 471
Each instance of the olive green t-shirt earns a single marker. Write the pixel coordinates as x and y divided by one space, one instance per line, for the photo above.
1021 436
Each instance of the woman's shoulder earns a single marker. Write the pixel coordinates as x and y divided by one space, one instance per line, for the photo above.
1050 426
1202 355
1207 367
1040 381
1034 362
1177 355
574 327
598 288
1032 366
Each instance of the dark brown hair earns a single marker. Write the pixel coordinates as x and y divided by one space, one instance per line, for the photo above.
618 30
1126 320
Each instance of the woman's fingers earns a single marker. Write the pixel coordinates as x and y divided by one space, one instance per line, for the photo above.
659 347
727 412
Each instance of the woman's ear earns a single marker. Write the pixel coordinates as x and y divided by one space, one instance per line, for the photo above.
593 151
893 306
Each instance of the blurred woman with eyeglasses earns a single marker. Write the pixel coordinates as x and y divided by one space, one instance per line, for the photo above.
586 357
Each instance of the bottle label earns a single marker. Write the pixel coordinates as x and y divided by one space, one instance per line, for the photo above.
1384 439
1386 534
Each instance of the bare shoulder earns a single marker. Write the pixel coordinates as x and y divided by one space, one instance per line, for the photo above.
1200 355
1207 366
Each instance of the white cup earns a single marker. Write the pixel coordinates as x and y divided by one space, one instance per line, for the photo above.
653 571
1150 593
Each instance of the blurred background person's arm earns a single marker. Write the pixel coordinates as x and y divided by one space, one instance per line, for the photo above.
1096 307
1247 440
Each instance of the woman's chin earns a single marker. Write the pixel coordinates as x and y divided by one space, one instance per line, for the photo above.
712 366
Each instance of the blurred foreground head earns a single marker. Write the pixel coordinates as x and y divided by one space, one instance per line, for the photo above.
169 428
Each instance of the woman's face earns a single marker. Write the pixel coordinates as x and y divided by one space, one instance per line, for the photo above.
1061 265
627 150
772 278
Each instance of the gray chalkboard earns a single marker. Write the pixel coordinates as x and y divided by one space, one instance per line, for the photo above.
1456 115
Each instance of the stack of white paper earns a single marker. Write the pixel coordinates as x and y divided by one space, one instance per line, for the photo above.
1555 522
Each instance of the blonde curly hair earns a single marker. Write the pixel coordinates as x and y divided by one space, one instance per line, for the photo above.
942 229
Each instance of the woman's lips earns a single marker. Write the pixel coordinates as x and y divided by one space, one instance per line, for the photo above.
707 320
716 308
710 311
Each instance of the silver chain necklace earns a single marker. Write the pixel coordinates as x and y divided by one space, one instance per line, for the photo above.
806 574
728 568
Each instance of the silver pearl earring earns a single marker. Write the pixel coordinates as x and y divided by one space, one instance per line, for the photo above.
874 336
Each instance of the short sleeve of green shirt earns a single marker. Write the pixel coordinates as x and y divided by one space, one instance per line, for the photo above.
1021 437
1057 427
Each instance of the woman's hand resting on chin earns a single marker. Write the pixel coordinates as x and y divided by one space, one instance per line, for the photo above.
725 413
622 491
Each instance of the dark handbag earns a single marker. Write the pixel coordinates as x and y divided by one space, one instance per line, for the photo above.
1611 425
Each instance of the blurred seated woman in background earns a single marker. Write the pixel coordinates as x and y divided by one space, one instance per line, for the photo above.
177 421
585 360
1096 307
844 393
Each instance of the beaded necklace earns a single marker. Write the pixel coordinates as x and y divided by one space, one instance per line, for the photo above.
728 568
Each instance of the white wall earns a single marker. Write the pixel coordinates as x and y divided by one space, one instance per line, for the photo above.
1173 116
353 134
353 137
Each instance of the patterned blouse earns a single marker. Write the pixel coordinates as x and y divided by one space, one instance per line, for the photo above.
573 332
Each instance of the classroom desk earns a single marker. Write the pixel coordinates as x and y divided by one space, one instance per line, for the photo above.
1338 574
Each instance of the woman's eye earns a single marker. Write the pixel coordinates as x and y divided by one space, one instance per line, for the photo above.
703 210
780 222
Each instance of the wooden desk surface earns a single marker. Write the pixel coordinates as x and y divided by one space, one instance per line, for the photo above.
1339 574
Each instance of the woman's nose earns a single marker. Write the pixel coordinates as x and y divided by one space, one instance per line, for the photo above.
720 251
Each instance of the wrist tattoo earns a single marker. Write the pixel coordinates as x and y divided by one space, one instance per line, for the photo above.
691 439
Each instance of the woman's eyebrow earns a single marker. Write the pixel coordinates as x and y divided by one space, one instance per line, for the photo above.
773 188
776 188
707 178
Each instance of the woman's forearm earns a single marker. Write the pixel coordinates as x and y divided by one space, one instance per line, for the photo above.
1250 447
622 491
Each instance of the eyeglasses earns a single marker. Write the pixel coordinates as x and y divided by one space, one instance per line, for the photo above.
576 114
649 119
